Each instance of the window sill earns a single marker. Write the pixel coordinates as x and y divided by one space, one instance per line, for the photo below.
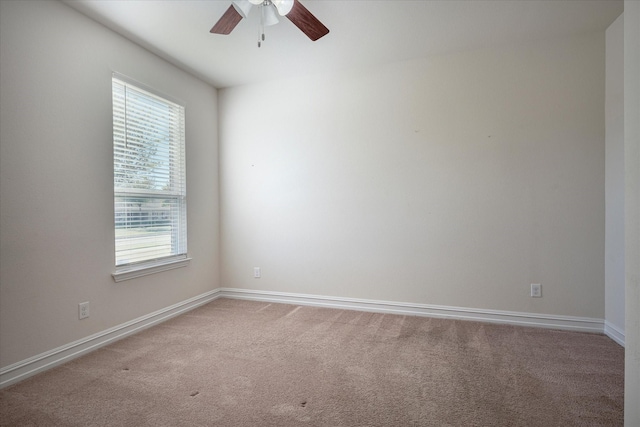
139 271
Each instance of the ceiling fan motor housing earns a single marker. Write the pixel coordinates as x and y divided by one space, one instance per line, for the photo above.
244 6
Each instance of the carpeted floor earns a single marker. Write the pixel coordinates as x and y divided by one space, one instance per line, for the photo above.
243 363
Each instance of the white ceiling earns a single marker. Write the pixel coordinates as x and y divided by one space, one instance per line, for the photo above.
363 32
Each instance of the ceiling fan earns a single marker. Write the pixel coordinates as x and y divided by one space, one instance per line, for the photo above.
270 9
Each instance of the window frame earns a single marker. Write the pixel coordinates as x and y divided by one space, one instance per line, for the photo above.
176 160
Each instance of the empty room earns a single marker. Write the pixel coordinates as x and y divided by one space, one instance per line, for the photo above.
320 212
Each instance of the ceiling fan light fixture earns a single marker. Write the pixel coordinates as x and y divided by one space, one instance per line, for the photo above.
269 16
283 6
243 7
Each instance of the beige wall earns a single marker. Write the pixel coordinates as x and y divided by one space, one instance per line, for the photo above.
56 180
614 189
457 180
632 210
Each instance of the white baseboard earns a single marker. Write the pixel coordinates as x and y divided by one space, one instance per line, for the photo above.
614 333
44 361
47 360
582 324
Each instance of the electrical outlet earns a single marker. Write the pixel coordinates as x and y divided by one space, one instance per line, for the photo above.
83 310
256 272
536 290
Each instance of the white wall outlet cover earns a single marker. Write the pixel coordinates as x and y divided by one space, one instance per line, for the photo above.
536 290
83 310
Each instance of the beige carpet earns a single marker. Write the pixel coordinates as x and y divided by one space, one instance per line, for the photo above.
242 363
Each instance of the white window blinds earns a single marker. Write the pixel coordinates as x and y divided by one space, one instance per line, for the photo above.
149 177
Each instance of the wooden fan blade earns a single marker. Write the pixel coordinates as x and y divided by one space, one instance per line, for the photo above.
308 24
227 22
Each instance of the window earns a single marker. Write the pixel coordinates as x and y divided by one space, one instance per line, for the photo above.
150 202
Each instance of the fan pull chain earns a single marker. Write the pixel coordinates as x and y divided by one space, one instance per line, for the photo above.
261 35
